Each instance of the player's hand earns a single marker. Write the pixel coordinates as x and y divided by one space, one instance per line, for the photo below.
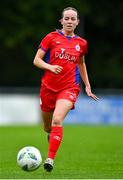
90 94
56 69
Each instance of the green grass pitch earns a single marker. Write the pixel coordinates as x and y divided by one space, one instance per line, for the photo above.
87 152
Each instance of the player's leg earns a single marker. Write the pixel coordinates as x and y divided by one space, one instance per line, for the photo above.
63 106
47 120
47 105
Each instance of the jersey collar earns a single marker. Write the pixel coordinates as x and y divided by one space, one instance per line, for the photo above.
68 37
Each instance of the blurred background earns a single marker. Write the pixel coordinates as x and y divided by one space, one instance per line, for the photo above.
22 26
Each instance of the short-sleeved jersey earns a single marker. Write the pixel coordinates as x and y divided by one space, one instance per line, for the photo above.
64 51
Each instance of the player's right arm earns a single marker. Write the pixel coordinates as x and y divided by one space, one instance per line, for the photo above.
40 63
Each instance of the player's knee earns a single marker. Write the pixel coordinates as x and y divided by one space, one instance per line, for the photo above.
57 120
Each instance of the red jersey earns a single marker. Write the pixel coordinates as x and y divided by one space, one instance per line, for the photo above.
64 51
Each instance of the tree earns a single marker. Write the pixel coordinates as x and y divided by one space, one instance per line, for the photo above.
25 23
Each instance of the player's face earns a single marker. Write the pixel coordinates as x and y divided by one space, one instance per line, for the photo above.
69 21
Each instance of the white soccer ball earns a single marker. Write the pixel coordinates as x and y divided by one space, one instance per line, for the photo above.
29 158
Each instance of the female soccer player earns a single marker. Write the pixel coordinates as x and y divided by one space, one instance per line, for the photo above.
61 55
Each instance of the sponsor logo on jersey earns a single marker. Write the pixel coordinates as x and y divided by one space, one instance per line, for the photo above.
65 55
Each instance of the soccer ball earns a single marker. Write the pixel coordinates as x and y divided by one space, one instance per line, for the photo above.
29 158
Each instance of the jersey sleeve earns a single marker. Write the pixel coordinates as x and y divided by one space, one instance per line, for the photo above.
45 42
84 48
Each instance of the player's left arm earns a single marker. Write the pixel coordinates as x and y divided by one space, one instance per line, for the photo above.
84 76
